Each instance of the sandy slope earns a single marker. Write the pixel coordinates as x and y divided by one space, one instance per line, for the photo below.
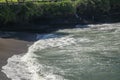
9 47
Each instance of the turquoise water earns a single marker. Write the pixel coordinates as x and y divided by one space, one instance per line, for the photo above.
91 53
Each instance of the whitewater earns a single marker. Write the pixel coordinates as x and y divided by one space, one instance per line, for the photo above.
87 52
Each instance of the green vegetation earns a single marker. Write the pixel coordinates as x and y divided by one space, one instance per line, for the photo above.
14 12
25 12
91 9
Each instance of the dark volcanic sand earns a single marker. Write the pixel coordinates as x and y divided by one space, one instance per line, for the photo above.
11 46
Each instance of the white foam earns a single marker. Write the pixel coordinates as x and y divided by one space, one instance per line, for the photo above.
27 67
104 27
84 40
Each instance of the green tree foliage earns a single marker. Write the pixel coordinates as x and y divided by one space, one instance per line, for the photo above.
53 9
83 8
92 7
29 10
7 14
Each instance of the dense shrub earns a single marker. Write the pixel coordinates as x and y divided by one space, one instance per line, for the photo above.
86 9
7 14
26 11
90 8
52 9
29 10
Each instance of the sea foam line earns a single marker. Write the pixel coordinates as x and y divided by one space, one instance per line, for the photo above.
27 67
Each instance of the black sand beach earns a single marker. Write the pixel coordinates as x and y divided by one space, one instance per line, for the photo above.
13 45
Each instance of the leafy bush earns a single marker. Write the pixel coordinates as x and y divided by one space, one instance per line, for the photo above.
61 8
92 7
29 10
7 14
53 9
26 11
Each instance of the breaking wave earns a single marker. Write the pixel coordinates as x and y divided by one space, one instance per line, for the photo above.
26 67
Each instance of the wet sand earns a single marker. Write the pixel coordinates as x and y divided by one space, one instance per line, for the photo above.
9 47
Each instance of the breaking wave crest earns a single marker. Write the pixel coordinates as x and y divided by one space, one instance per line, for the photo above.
26 67
90 53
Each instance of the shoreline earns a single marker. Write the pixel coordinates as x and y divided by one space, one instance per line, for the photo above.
12 46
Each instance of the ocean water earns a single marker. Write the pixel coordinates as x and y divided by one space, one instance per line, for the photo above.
91 53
